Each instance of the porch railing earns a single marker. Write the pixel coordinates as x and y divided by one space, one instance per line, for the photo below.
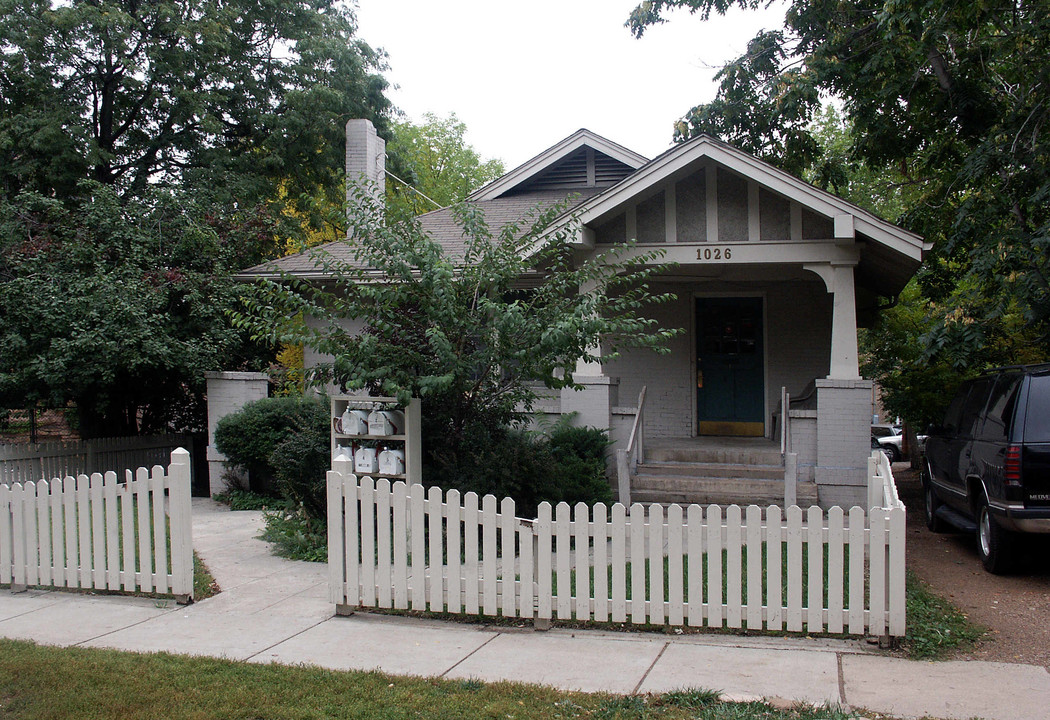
627 459
785 421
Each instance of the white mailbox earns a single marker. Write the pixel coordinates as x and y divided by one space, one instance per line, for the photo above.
354 422
365 461
392 462
386 422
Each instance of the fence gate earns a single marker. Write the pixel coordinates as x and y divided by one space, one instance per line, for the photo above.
101 532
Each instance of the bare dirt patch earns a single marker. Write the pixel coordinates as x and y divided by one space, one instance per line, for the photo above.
1015 608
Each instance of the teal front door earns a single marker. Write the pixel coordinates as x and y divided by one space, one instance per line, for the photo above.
730 385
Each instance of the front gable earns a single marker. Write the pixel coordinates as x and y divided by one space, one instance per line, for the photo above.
704 198
583 161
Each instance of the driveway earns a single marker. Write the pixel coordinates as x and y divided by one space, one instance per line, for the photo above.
1014 608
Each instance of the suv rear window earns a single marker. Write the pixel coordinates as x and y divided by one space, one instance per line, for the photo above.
954 412
971 414
1001 409
1037 418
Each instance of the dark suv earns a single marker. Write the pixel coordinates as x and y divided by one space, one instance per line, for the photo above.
987 467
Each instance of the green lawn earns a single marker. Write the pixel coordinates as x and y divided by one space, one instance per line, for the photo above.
45 683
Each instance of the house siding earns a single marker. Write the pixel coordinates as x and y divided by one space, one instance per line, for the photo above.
798 349
732 207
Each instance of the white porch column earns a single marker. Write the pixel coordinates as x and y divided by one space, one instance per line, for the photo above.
596 395
842 399
838 278
585 367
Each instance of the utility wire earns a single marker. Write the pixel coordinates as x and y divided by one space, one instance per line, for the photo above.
414 189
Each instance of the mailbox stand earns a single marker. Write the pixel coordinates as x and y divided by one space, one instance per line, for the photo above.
409 439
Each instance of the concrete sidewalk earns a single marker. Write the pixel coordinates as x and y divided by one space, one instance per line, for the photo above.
274 610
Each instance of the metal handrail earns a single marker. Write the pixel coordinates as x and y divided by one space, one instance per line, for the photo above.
785 421
637 430
627 459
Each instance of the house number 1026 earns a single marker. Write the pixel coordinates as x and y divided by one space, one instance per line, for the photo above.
714 253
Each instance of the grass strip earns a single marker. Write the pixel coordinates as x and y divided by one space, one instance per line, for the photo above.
204 585
106 684
936 628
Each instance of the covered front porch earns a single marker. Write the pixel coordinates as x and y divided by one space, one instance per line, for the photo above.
771 277
710 425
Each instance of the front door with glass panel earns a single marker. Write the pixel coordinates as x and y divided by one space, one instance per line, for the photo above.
730 387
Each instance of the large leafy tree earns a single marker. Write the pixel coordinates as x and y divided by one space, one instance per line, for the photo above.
241 95
473 336
118 306
949 95
440 167
147 151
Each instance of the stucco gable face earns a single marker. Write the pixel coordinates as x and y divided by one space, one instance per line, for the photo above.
711 204
707 193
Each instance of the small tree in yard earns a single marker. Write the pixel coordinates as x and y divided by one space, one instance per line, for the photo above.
472 336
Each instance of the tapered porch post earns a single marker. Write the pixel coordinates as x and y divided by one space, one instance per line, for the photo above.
839 280
843 399
594 401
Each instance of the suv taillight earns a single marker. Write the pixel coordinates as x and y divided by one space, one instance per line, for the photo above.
1012 467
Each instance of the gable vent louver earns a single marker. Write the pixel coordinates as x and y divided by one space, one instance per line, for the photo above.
608 171
584 168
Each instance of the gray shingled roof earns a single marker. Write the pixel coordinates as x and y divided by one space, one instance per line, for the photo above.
440 225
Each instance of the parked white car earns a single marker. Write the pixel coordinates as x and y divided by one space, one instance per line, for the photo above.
890 438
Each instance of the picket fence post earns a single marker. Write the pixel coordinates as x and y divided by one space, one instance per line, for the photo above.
181 523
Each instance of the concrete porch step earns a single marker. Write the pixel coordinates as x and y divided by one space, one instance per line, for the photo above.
719 491
744 455
713 470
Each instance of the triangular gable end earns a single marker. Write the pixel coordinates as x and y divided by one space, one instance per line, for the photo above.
677 160
698 171
581 160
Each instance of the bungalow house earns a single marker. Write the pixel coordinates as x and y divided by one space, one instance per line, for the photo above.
773 276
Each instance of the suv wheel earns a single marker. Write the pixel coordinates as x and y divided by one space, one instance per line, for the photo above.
930 505
995 546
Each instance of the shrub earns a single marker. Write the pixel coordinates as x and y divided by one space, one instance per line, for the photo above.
244 500
300 462
580 456
566 465
295 535
249 437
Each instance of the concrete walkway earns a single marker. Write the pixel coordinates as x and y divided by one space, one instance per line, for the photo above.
274 610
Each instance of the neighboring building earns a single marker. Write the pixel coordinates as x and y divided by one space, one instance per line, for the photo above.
772 276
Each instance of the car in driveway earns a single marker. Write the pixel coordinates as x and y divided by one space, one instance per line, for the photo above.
987 465
889 438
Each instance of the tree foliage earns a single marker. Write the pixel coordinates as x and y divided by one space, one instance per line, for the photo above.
950 96
474 335
242 96
148 150
437 162
118 307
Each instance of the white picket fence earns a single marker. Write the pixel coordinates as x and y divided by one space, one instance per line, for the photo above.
97 532
20 462
407 547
